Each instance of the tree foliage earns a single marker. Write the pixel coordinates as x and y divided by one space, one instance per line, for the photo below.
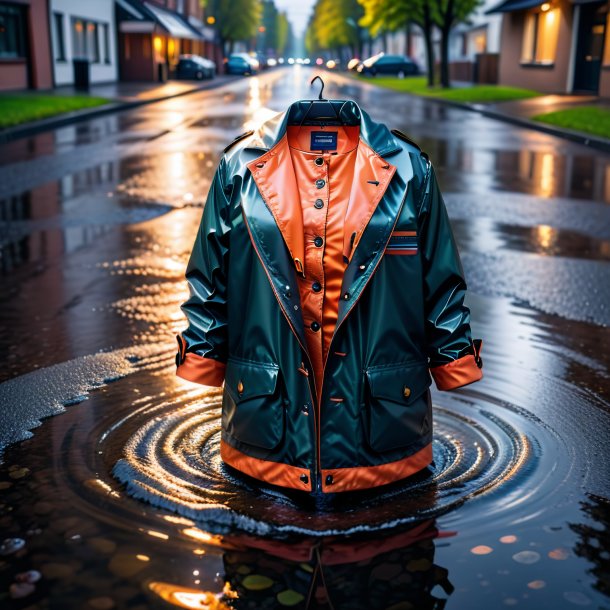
334 24
235 20
329 27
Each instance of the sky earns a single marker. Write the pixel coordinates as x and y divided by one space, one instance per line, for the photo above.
298 12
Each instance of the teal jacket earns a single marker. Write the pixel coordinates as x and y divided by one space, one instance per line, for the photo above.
401 319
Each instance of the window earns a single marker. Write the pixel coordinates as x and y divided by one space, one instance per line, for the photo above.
60 45
540 36
12 31
106 43
79 39
86 40
93 43
606 37
480 42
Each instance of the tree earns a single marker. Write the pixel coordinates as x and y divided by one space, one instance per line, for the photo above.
235 20
283 30
448 13
334 25
382 16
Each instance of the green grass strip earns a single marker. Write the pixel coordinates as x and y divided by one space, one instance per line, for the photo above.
589 119
475 93
23 107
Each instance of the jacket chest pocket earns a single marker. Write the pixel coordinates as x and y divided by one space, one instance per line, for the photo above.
398 410
402 243
253 409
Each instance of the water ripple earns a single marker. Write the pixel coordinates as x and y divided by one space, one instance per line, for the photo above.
171 459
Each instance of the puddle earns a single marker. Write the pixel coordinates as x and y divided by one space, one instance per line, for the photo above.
115 495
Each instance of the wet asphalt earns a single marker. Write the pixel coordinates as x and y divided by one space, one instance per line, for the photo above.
121 500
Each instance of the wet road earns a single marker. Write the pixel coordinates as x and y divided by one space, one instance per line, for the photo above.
122 501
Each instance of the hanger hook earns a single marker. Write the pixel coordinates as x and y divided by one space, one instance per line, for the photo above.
311 82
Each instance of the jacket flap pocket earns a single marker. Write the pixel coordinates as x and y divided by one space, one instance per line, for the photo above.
245 380
403 383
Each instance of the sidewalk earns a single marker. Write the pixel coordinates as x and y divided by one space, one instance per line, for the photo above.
123 96
133 92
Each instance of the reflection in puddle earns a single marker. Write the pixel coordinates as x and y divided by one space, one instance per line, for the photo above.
485 235
58 218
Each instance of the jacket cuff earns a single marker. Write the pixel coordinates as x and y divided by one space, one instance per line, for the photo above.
198 369
460 372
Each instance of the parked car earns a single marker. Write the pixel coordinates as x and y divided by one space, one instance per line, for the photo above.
241 63
195 66
262 60
399 65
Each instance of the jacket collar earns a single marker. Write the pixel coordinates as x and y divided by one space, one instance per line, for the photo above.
274 175
375 135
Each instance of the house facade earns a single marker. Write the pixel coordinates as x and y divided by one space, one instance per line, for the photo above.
83 30
152 34
475 45
557 46
25 47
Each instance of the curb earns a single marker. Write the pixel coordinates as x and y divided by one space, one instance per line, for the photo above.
33 127
579 137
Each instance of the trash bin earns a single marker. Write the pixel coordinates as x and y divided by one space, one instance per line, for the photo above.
162 74
81 73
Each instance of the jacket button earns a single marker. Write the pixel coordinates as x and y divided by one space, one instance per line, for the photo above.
318 241
319 161
346 296
316 286
406 392
305 409
318 203
329 479
315 326
240 387
320 182
304 478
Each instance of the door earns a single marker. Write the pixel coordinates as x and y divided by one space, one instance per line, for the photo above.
590 46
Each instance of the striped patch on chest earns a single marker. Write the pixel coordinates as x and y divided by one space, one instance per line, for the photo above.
402 242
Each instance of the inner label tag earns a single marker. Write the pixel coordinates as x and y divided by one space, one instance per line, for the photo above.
323 140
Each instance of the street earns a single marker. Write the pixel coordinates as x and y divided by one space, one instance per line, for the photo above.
111 469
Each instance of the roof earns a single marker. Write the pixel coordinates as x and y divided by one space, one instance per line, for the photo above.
141 16
507 6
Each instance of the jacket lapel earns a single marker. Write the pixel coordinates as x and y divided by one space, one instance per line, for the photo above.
274 175
372 174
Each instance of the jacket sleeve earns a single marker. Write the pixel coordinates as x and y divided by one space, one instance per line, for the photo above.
202 347
454 358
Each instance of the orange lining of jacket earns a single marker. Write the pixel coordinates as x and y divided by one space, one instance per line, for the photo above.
458 373
206 371
344 479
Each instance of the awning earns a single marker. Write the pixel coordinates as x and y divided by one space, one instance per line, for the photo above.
138 16
172 23
508 6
